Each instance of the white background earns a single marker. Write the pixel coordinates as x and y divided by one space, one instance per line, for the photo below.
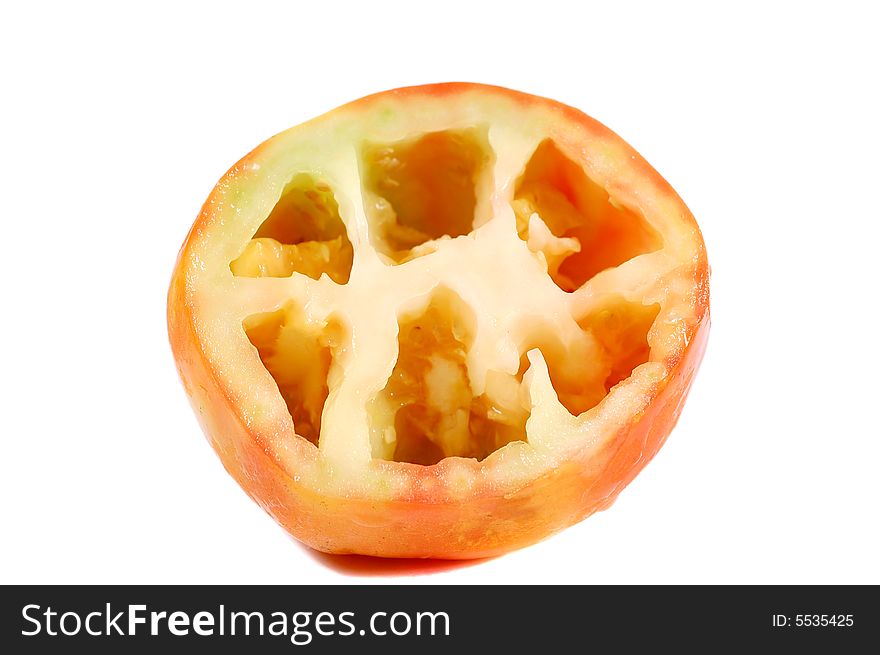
117 122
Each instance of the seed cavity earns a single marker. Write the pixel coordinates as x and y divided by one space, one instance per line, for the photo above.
427 410
423 189
303 234
299 356
621 328
573 222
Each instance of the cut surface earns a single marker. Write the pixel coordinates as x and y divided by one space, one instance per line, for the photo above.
459 385
444 321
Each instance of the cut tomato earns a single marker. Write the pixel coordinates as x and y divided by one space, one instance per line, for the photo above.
441 321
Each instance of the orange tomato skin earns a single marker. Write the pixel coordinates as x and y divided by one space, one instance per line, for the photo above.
416 524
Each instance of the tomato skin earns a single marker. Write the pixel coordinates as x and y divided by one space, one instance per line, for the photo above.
421 523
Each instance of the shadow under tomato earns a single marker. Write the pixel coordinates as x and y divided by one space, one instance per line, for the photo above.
366 566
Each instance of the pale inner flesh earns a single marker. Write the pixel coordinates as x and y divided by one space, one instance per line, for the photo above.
445 396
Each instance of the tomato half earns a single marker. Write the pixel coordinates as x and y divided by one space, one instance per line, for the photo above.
441 321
